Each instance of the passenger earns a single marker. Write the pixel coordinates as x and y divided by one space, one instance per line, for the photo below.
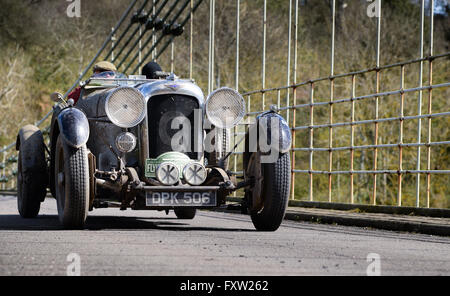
150 70
100 67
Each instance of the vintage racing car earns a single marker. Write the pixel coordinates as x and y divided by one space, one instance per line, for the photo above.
143 144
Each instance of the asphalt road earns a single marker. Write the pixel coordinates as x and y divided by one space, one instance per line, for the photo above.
214 243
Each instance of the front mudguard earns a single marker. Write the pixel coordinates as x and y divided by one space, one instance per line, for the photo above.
261 131
74 127
283 130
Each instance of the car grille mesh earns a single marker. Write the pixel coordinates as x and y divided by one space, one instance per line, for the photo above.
162 110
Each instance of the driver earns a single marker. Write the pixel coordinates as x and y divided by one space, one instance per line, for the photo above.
100 67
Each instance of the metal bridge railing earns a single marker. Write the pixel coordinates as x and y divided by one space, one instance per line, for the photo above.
309 109
352 123
292 109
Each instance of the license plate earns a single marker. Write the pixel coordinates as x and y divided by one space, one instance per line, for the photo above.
180 199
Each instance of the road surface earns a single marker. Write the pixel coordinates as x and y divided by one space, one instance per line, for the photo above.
214 243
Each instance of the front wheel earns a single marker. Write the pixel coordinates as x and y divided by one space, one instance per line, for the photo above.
274 194
72 184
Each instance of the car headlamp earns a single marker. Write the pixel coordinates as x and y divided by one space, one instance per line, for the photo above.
126 142
125 107
225 108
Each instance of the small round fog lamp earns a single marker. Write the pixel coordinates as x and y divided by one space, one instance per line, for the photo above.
195 174
126 142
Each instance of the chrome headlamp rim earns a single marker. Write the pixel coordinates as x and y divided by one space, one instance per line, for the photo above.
176 176
186 167
219 123
113 119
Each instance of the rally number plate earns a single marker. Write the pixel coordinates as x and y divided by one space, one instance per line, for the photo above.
180 199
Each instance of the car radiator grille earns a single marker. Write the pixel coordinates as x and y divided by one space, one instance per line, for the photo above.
162 110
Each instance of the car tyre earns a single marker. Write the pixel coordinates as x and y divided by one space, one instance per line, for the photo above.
185 213
275 194
72 184
31 171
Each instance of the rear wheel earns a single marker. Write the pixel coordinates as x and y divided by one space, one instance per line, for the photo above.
274 193
31 172
72 184
185 213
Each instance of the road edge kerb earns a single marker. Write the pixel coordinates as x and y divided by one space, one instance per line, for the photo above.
14 193
396 210
343 217
302 214
8 192
393 210
405 226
